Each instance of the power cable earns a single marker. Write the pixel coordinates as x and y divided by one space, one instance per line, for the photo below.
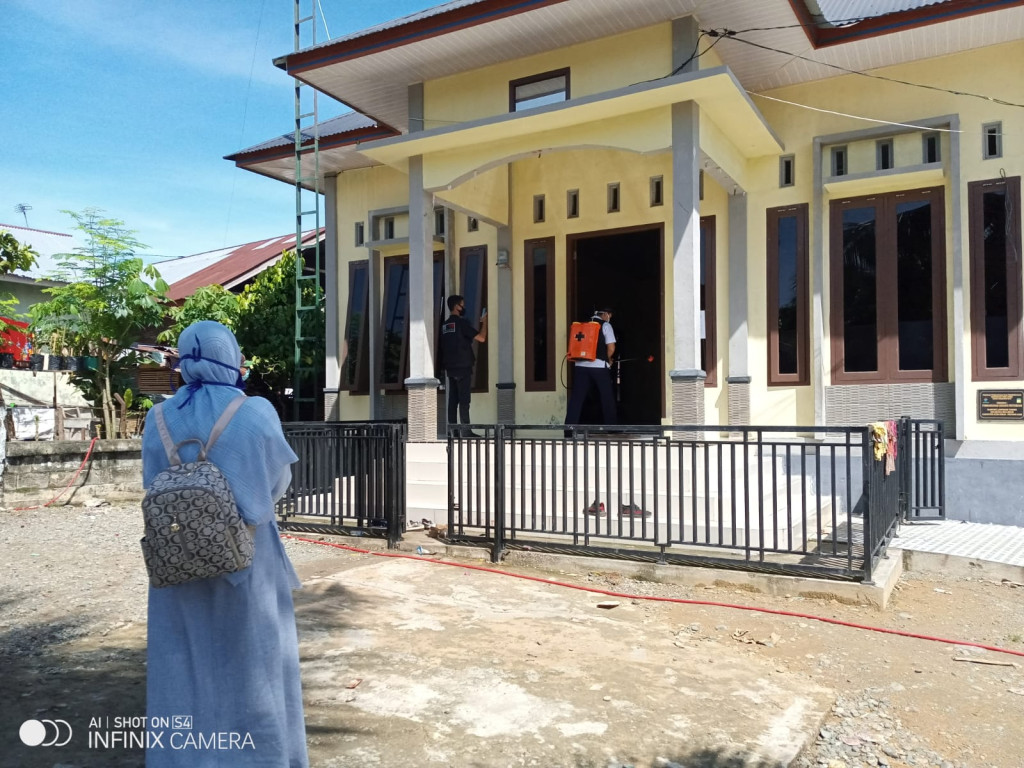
732 36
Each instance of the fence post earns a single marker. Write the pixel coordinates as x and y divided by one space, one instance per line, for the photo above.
904 461
394 472
867 461
499 493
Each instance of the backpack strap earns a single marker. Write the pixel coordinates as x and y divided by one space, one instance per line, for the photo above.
222 423
172 450
165 437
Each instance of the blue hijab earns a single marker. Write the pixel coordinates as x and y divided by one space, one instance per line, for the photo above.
252 452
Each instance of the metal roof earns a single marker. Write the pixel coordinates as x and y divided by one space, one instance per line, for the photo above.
336 126
46 244
838 11
226 267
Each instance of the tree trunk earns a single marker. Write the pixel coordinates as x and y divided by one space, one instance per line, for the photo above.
108 403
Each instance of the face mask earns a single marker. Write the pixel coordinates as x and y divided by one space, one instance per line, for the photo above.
245 376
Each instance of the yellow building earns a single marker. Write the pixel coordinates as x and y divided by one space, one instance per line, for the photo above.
800 218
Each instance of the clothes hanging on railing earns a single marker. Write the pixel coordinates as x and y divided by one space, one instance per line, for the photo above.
884 440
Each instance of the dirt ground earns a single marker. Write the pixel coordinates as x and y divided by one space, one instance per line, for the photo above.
413 663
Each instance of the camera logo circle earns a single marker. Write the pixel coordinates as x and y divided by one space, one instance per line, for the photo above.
45 733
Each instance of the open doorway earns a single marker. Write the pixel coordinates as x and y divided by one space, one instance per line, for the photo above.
624 269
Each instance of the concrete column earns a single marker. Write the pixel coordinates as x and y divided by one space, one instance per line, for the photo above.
506 386
818 373
738 380
686 375
333 330
421 384
960 353
685 33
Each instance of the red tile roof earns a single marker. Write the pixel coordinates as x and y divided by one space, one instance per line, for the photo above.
237 264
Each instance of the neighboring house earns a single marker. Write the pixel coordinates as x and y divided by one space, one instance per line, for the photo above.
800 217
27 285
232 268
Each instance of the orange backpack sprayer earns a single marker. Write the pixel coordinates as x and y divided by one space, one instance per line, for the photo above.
583 341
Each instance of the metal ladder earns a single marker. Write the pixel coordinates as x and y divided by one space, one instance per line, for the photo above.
309 297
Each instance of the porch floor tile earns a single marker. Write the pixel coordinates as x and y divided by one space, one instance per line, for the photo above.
981 541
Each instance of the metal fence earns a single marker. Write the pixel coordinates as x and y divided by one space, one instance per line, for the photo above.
349 479
924 473
792 500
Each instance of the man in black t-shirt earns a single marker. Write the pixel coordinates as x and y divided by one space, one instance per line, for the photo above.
457 337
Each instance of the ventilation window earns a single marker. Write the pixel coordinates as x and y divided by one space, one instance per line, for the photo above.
613 197
389 228
439 223
572 204
538 209
992 134
931 148
538 90
786 173
884 155
700 185
360 233
472 224
657 191
839 167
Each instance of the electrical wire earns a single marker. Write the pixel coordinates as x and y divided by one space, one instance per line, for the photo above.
730 34
853 117
675 600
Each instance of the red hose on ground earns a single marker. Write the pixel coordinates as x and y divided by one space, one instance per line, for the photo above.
72 482
679 600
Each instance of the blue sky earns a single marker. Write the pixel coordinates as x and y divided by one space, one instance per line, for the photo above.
130 105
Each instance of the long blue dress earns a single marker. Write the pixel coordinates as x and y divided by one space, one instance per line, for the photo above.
224 651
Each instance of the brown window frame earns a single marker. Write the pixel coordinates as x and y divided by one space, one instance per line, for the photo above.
709 235
887 318
438 294
529 247
473 308
513 84
1014 298
359 384
802 377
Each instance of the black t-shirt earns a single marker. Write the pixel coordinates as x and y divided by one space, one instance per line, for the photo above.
457 343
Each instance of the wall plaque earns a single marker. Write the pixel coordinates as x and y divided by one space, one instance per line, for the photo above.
1001 405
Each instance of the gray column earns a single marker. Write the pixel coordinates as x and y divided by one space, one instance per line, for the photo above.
685 33
421 384
959 353
818 373
687 375
506 386
738 380
332 367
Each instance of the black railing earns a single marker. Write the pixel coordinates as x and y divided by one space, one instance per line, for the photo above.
793 500
349 479
924 473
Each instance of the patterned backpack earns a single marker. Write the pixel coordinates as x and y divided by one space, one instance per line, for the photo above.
193 529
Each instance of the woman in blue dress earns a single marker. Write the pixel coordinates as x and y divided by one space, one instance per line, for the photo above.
224 651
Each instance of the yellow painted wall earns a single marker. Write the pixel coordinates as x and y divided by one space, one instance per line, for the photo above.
596 66
978 71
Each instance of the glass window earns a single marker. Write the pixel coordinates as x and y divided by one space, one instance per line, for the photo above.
395 323
888 288
995 254
538 90
788 336
539 281
474 290
354 369
708 350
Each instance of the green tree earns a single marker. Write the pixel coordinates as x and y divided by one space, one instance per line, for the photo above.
211 302
14 255
266 326
109 298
